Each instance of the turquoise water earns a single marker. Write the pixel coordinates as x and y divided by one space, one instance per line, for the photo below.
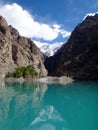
37 106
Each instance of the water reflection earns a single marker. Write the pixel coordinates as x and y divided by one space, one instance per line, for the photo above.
47 119
22 108
40 106
19 104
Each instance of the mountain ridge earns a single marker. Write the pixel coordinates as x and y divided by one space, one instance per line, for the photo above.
49 49
16 50
78 58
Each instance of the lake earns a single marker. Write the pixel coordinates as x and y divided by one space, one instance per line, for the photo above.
41 106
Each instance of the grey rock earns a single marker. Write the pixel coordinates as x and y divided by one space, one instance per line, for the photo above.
5 48
16 50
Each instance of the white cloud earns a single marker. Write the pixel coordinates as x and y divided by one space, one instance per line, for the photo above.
26 24
53 45
40 44
90 14
57 28
65 33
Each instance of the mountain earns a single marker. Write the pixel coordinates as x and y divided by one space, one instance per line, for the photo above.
78 58
16 50
6 61
49 49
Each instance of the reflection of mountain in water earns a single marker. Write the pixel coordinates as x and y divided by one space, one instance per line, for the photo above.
47 119
19 104
31 106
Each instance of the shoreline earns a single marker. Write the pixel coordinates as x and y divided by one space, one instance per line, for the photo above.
48 80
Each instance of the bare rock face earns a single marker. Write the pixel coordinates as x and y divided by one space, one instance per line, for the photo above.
5 47
16 50
78 58
25 52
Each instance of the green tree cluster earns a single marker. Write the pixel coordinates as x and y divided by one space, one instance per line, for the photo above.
26 72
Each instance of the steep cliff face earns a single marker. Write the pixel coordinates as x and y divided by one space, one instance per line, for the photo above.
25 52
78 58
5 47
16 50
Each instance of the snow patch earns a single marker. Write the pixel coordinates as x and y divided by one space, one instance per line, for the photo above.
89 14
48 49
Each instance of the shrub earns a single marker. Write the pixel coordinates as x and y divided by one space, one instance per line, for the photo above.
10 74
26 72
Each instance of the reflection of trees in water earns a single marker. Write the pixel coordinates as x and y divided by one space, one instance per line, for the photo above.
19 103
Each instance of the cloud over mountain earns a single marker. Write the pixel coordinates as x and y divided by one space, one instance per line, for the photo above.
22 20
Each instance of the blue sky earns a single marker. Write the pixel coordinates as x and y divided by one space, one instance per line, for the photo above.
58 17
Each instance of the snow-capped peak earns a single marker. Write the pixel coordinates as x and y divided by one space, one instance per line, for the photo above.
89 14
48 49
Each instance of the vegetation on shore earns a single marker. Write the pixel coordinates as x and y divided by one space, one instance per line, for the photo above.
25 72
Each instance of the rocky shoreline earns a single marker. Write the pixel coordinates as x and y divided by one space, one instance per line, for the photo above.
49 79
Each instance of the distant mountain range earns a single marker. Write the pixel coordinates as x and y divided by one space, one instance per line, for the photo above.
78 58
49 49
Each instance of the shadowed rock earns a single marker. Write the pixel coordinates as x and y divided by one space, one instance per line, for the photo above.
78 58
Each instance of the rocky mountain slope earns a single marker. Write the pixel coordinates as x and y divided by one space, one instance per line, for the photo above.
16 50
78 58
6 60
